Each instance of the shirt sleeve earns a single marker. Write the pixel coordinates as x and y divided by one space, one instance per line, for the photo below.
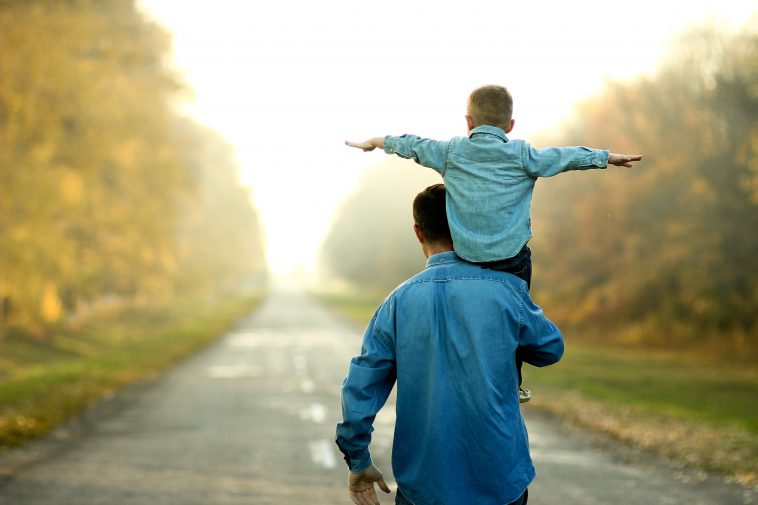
554 160
427 152
540 341
369 381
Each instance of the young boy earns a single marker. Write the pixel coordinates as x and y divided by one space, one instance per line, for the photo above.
490 180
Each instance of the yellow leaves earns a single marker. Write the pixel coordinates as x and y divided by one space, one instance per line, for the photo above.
692 203
72 187
702 191
51 307
702 305
42 152
168 261
127 152
96 176
19 233
20 422
148 254
747 156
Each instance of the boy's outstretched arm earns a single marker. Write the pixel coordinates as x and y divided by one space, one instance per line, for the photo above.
368 145
623 160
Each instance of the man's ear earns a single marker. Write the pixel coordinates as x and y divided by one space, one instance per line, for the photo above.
510 126
419 235
470 122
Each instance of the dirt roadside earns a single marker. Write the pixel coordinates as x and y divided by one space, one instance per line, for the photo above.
729 452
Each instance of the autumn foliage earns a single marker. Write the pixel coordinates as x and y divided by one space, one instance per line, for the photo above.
666 252
104 188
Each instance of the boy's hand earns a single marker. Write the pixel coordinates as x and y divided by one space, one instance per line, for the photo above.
623 160
368 145
361 486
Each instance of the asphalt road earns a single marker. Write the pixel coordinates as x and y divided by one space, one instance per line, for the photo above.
251 420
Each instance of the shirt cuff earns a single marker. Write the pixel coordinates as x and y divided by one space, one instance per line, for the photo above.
358 464
596 158
390 144
601 158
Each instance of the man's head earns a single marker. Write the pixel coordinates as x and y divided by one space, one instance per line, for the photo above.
490 105
430 221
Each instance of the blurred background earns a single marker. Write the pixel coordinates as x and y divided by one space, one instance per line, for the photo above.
163 161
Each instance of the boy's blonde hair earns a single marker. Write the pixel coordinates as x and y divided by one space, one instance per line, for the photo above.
491 105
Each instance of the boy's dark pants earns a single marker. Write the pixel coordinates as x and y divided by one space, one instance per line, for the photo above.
520 266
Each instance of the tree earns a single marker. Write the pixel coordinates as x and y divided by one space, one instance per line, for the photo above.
371 243
221 249
662 250
661 253
95 171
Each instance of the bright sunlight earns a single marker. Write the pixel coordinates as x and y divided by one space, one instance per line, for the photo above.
286 83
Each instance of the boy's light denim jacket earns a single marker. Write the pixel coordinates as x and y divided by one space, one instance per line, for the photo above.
448 337
489 181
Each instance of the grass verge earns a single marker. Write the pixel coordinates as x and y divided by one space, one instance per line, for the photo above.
686 407
692 411
43 382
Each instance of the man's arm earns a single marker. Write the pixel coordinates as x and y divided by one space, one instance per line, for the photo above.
540 341
369 382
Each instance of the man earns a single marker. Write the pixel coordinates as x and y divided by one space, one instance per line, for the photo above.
449 336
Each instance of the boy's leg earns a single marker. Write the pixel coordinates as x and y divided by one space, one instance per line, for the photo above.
520 266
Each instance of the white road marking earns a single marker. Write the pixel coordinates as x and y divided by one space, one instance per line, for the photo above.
301 368
315 412
244 339
233 371
283 338
307 386
322 453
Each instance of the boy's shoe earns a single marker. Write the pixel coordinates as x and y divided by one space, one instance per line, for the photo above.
524 395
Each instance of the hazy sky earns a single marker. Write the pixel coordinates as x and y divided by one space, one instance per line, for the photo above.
287 82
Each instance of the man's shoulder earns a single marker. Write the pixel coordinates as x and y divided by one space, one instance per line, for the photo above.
458 270
467 271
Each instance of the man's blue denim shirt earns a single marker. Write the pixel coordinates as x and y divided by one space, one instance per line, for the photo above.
489 182
448 336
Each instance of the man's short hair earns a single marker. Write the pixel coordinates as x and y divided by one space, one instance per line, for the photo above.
491 105
430 215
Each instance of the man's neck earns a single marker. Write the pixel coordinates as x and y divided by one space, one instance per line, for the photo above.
437 248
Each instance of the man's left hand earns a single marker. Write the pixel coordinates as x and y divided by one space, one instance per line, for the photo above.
361 485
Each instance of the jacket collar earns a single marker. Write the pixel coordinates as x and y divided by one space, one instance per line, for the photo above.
489 130
442 259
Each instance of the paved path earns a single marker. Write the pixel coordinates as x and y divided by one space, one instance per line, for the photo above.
251 421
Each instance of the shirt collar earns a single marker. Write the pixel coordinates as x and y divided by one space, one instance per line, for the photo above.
491 130
442 258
